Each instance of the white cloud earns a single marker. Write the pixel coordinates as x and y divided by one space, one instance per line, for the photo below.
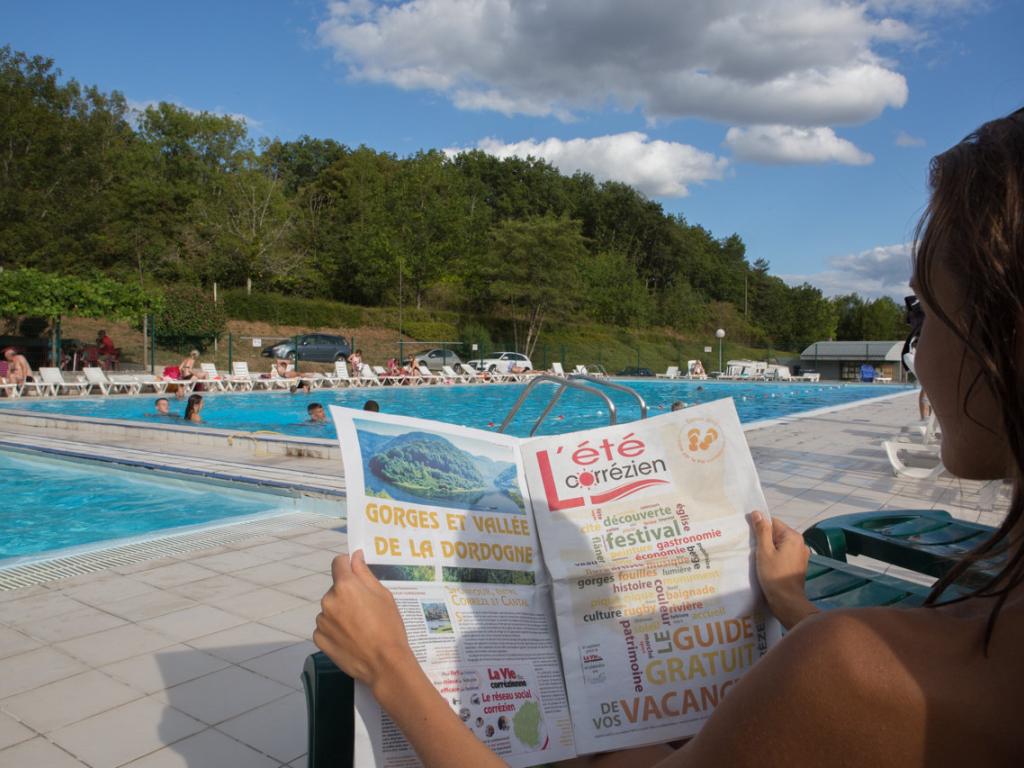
904 139
655 167
783 144
880 271
798 62
142 106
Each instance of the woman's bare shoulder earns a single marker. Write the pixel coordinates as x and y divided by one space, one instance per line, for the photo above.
835 683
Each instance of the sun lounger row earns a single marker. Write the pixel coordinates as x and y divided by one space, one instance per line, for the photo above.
52 382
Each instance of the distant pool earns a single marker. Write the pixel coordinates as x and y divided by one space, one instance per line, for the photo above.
481 406
55 504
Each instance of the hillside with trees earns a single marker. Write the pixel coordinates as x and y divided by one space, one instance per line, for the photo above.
170 200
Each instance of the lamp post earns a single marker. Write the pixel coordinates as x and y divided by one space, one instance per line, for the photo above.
720 334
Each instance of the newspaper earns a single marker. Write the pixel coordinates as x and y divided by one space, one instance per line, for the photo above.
629 625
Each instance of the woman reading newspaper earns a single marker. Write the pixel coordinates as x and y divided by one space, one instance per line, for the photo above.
876 687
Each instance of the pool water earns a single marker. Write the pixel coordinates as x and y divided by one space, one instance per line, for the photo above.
51 504
480 406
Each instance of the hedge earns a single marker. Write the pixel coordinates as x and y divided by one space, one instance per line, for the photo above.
290 310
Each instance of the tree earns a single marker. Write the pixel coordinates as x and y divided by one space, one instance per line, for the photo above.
615 293
533 268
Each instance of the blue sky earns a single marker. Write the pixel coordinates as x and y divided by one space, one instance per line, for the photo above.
805 126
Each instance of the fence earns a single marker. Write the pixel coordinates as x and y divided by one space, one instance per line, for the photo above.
614 353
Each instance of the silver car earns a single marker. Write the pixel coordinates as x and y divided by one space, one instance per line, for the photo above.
435 358
503 362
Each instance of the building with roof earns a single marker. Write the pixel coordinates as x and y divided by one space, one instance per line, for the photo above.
842 360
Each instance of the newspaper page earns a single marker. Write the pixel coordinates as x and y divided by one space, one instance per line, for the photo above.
645 532
441 515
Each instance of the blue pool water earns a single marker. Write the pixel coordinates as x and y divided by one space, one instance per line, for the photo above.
50 504
480 406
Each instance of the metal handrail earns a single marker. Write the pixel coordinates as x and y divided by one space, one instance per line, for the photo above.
563 384
614 385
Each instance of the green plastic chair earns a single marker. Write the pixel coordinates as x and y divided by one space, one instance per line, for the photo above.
926 541
329 691
330 713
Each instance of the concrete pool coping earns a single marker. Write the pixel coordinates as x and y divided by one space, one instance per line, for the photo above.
254 443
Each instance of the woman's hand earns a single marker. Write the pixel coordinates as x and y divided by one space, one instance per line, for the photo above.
359 626
782 568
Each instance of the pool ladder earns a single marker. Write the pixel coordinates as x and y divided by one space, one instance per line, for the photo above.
572 381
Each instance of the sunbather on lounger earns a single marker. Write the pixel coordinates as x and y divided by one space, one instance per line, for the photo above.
931 686
18 371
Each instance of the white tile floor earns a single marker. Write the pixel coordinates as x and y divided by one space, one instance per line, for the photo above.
194 660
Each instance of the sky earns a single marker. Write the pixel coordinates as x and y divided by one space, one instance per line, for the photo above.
804 126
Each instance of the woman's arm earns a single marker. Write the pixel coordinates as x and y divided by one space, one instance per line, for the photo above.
360 629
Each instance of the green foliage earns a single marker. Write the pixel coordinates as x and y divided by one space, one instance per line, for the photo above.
171 196
614 292
290 310
31 292
859 320
188 318
430 330
403 572
486 575
532 268
428 465
474 332
682 307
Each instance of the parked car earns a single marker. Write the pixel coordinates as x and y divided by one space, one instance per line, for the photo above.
316 347
435 358
634 371
502 362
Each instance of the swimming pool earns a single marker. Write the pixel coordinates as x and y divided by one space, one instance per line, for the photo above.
480 406
55 504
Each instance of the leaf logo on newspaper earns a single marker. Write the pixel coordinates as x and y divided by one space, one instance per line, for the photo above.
599 473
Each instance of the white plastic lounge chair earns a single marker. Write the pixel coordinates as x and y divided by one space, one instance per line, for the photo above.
691 366
556 368
387 378
368 377
429 376
340 377
241 371
97 377
12 389
147 381
129 382
926 455
925 432
454 376
471 374
214 380
277 381
672 372
55 378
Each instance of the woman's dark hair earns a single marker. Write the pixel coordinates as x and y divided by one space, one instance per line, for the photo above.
190 407
974 225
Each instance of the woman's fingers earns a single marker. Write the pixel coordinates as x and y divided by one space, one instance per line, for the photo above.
762 532
340 567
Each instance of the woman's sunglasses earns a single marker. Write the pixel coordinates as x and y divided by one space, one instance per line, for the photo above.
915 319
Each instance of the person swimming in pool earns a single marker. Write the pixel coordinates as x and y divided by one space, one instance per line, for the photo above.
316 414
192 409
163 408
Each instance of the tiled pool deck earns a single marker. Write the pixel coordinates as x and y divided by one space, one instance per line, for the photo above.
194 660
